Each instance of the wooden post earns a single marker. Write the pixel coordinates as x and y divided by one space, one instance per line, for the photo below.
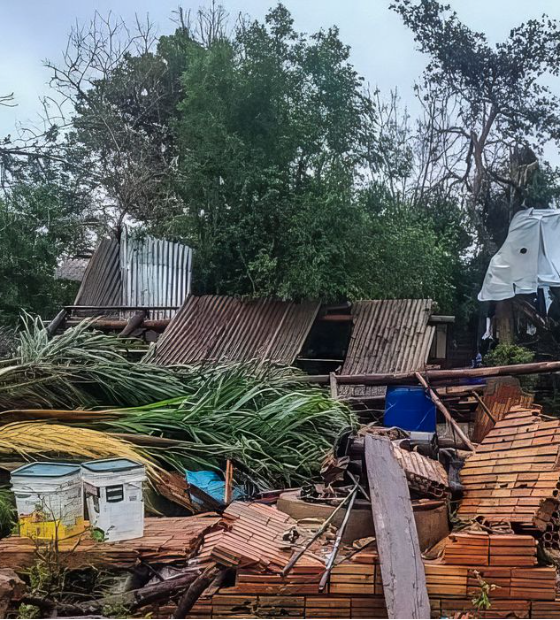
505 321
444 410
402 569
228 490
133 323
57 322
334 385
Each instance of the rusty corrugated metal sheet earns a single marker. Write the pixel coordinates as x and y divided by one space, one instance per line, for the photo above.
390 335
102 284
220 328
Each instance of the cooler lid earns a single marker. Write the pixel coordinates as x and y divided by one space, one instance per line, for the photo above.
111 465
46 470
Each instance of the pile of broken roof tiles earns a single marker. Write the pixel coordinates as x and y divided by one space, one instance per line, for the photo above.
514 476
166 541
252 542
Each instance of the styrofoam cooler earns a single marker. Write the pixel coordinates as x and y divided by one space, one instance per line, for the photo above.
114 497
49 500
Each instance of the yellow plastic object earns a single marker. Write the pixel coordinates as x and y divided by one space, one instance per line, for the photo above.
36 526
49 500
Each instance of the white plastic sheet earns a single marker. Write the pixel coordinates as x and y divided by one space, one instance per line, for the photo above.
529 258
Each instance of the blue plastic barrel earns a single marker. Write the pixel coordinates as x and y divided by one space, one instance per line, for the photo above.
409 408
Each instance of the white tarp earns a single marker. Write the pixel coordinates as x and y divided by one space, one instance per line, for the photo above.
529 258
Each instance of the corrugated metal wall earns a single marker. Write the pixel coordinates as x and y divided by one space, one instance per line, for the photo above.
391 335
138 271
220 328
155 273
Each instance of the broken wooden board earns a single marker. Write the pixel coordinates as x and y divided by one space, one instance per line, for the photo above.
402 570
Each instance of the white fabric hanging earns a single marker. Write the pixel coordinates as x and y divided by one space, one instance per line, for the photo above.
529 258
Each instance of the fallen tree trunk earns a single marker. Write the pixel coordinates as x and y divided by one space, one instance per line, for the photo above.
195 590
407 378
132 600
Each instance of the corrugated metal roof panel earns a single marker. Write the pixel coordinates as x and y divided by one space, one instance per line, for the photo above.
220 328
155 273
391 335
102 282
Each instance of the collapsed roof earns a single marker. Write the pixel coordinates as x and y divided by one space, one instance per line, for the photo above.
221 328
385 335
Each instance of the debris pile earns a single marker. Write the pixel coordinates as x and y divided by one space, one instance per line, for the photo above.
514 476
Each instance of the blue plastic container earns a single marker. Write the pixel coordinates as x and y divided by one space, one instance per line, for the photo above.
409 408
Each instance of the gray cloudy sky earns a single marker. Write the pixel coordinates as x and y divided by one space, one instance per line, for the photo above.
382 48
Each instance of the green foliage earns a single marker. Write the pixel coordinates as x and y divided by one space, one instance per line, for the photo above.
276 430
506 354
36 227
28 611
7 511
80 368
271 134
481 599
260 147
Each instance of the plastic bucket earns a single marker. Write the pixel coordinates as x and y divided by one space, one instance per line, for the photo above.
49 500
409 408
114 497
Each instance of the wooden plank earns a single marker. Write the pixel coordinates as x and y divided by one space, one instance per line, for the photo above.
402 569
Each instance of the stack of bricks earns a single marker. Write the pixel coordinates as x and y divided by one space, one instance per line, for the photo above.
355 588
514 476
482 549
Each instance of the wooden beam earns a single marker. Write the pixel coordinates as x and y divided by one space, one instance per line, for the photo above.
228 488
121 307
402 569
336 318
437 402
57 322
333 385
483 406
133 323
408 378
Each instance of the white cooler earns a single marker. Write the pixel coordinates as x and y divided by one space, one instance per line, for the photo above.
114 497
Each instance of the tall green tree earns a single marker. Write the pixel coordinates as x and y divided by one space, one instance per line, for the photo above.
492 109
272 135
260 147
39 222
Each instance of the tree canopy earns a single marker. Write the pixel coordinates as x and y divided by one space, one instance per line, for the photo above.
263 148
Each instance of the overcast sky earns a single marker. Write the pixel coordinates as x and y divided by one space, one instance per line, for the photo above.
383 50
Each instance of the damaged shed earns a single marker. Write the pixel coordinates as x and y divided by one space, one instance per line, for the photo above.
363 337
